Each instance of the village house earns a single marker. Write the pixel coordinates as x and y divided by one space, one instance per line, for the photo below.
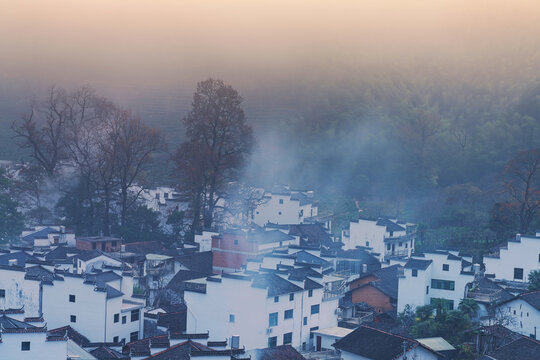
386 238
45 236
282 205
516 259
261 309
366 343
524 312
24 341
100 305
232 248
103 243
378 289
435 275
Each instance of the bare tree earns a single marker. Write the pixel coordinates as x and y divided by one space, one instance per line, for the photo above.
42 130
135 143
522 185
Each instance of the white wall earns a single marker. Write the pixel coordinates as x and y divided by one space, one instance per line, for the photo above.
412 290
40 348
289 212
524 255
251 308
525 319
20 292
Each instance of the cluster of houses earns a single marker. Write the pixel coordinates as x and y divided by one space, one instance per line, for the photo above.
278 287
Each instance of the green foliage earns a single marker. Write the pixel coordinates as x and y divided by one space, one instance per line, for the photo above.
142 224
178 223
434 320
534 280
11 219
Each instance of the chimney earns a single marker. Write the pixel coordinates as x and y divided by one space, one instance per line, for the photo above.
518 237
13 262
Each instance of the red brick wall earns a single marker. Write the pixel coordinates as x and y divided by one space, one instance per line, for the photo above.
373 297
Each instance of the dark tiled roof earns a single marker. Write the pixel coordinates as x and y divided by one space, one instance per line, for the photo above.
358 254
390 225
70 333
304 257
105 276
177 282
532 298
43 233
21 257
39 273
375 344
7 323
301 273
388 280
60 253
310 285
283 352
200 262
418 264
311 234
523 349
302 198
148 247
106 353
274 283
268 237
174 321
86 255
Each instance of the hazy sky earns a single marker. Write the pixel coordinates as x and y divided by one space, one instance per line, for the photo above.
159 43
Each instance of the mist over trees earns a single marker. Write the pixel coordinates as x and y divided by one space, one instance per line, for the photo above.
440 149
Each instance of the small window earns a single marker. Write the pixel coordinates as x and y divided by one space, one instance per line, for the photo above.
2 293
415 272
427 289
281 201
367 243
134 336
273 319
305 320
72 298
115 339
518 273
289 314
272 341
231 318
116 318
406 245
400 244
314 309
256 212
287 338
310 293
446 267
291 296
388 247
235 241
73 318
124 319
276 299
279 212
25 346
134 315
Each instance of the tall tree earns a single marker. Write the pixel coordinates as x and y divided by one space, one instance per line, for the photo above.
135 143
42 130
522 185
218 141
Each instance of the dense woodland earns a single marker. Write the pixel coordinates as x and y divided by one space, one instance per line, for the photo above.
453 150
